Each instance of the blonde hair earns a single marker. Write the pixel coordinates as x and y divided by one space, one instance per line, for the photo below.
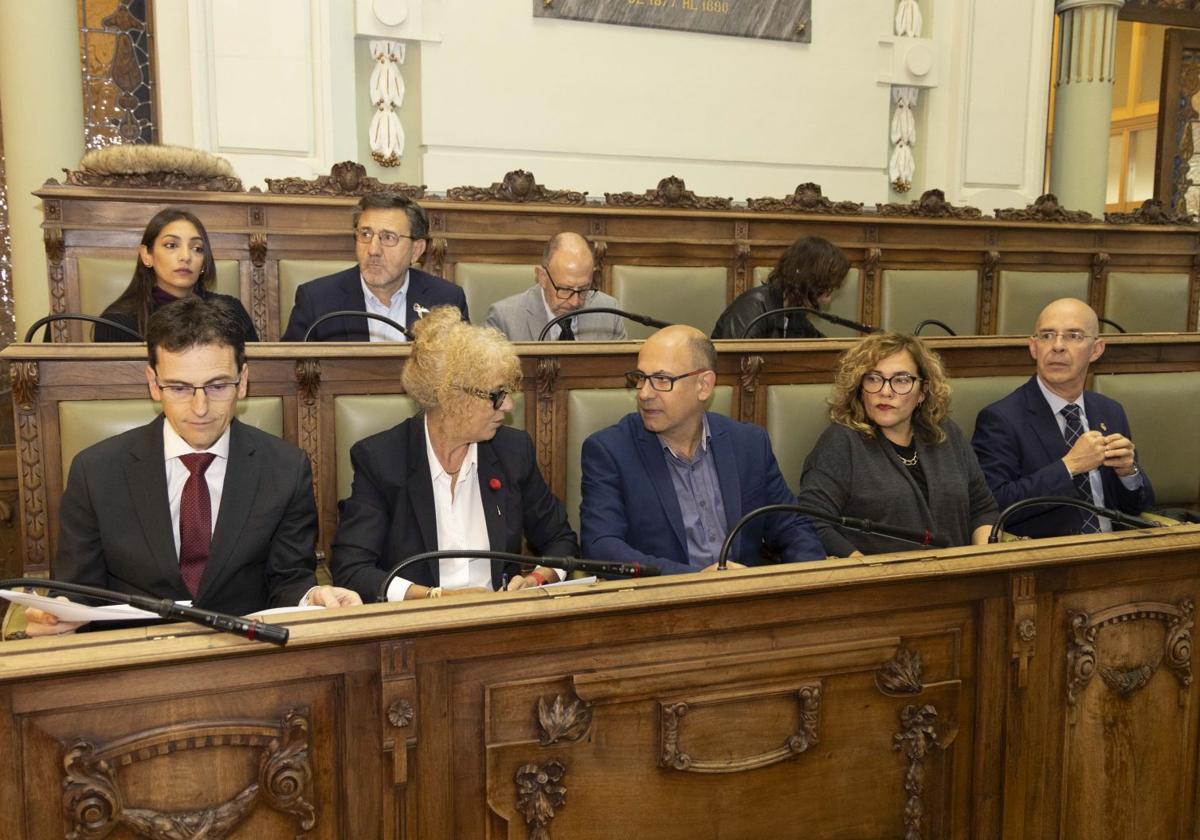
449 354
846 405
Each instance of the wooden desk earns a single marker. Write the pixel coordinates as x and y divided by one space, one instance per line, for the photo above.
1027 691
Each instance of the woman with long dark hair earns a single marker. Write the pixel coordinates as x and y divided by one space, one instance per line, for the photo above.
174 261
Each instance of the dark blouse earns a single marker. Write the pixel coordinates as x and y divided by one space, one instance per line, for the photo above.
754 302
128 319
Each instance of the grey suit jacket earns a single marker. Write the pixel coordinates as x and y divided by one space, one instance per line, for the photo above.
522 316
115 527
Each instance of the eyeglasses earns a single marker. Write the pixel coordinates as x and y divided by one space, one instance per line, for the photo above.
215 391
566 292
387 238
901 383
497 397
658 381
1068 336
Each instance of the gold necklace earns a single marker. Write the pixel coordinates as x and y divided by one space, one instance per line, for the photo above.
908 462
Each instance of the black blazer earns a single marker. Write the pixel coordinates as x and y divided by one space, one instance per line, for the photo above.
390 513
753 302
343 290
128 319
115 527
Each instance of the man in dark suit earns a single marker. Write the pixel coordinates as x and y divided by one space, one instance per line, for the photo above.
390 232
195 505
1050 437
665 485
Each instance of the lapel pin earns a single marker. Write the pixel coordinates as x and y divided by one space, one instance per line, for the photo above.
420 310
1103 427
495 484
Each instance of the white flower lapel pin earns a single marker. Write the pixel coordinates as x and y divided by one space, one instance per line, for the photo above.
420 310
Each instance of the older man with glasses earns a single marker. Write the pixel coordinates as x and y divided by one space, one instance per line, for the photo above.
194 506
666 484
565 284
1051 437
390 233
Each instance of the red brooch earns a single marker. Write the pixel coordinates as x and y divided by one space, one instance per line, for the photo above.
494 484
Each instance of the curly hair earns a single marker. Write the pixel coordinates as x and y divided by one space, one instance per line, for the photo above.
809 268
449 354
846 405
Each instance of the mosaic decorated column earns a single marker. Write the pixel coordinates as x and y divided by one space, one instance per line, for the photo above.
1083 92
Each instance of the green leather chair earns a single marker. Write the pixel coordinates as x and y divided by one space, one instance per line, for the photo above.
1147 302
1022 295
292 273
845 302
971 394
909 296
486 283
796 416
678 295
102 279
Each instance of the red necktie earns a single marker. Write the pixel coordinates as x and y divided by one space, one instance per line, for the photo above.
195 520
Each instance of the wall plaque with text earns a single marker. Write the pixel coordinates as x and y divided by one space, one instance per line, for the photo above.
779 20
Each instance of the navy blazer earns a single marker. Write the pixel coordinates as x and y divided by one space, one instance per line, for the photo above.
343 290
1020 449
115 528
390 514
630 512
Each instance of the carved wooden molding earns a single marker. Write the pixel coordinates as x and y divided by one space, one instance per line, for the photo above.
563 721
435 257
56 249
1022 630
400 713
154 181
673 755
931 205
1083 647
901 675
518 186
258 281
751 368
917 738
599 254
94 805
1100 262
1152 212
870 276
807 198
539 792
24 379
987 290
308 389
1193 316
345 178
670 192
546 412
1044 209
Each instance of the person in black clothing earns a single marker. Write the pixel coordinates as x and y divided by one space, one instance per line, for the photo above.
174 262
807 274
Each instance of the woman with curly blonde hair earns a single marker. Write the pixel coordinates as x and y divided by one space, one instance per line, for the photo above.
452 477
891 453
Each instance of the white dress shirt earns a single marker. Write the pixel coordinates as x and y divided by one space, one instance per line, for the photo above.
1131 482
378 330
556 330
460 524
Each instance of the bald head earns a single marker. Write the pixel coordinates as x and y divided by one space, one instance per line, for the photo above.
566 268
682 361
1070 310
1065 342
572 245
686 344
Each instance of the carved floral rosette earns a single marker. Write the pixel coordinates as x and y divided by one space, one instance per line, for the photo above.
1044 209
518 187
94 805
539 792
670 192
1152 212
931 205
807 198
345 178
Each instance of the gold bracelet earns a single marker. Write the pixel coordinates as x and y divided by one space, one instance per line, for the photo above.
434 592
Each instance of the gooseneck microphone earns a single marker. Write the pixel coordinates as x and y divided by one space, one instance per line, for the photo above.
923 538
249 628
600 568
1117 517
826 316
644 320
355 313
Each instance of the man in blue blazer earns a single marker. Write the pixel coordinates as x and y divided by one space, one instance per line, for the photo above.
390 232
1021 441
665 485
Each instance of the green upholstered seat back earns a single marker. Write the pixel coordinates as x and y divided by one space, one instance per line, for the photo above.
292 273
486 283
677 295
910 296
1147 302
844 302
102 279
796 416
970 394
1022 295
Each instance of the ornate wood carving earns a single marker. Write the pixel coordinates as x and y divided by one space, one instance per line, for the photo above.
870 276
520 187
1152 212
987 290
901 675
599 255
1044 209
807 198
670 192
547 376
435 257
345 178
931 205
1193 314
741 268
1022 631
562 721
154 181
308 389
539 792
751 368
1083 647
258 281
400 713
808 735
56 248
917 738
52 210
94 805
24 379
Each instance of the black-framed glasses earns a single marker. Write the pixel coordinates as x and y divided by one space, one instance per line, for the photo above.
901 383
1068 336
387 238
566 292
658 381
182 392
497 397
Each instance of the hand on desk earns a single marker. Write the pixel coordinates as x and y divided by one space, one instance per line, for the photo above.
537 577
41 623
332 597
